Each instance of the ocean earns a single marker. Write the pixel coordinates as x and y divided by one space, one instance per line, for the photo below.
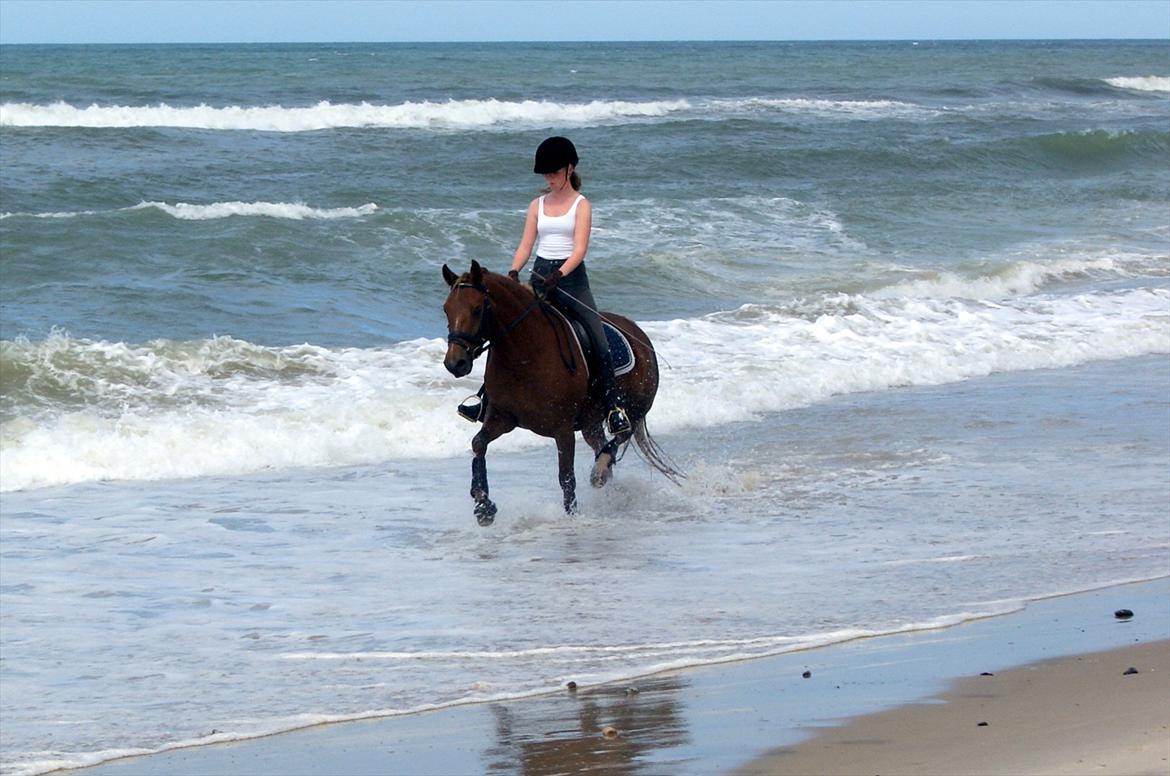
911 301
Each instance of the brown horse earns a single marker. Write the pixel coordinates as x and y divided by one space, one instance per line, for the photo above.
536 378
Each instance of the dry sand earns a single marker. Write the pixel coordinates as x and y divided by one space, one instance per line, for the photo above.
1066 717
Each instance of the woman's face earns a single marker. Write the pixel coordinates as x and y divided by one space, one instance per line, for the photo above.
557 180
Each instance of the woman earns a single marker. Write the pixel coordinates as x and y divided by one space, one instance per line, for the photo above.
558 225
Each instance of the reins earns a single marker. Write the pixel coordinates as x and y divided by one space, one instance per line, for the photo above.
476 344
628 334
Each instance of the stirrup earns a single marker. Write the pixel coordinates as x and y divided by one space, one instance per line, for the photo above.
617 422
471 410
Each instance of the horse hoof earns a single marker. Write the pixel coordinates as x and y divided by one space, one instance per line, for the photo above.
485 513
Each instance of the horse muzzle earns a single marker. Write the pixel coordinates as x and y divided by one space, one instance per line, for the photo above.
462 349
458 360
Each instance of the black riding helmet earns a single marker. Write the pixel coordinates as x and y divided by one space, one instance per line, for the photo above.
554 154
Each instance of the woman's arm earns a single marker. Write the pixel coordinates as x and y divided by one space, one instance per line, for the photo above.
581 229
527 238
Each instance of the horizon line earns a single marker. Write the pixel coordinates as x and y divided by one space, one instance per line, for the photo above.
553 41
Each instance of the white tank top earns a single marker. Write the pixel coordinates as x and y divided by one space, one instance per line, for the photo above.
554 234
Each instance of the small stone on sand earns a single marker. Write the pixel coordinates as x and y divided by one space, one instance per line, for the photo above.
982 724
1123 614
1130 670
807 674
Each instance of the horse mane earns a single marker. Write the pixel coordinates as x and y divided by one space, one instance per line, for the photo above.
490 280
506 282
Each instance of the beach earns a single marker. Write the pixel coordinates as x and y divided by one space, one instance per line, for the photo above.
911 310
1058 700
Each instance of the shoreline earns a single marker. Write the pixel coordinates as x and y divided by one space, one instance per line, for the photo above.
702 719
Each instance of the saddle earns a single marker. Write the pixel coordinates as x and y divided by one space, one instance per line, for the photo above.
620 352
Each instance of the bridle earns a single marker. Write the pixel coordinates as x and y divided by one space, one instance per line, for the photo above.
476 343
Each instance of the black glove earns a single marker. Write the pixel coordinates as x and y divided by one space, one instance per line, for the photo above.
514 275
551 280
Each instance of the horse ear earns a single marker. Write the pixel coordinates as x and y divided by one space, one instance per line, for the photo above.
476 273
449 276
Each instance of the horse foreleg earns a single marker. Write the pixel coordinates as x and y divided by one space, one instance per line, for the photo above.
485 510
566 450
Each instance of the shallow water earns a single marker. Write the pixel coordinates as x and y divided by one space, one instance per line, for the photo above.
912 304
254 604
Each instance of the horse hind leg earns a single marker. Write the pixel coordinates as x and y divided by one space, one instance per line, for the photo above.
605 456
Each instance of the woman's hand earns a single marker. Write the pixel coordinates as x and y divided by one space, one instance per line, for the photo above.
551 280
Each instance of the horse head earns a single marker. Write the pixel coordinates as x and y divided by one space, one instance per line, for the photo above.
468 308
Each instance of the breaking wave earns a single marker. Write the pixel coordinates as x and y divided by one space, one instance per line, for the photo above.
1148 83
453 115
81 410
296 211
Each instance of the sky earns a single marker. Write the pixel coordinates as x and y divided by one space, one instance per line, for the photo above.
264 21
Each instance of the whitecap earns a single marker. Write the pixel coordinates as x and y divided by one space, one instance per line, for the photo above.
450 115
292 210
1147 83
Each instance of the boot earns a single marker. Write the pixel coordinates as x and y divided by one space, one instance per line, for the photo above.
617 423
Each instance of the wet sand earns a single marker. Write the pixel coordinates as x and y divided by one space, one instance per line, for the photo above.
1066 717
1073 716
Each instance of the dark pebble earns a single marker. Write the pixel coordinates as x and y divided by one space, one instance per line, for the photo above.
1123 614
1130 670
572 686
982 724
807 674
987 673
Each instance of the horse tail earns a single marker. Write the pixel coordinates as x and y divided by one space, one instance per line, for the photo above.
651 453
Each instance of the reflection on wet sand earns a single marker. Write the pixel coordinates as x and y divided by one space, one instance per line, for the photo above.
572 739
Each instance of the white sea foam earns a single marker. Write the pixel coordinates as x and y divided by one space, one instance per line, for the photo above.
1148 83
453 114
294 210
193 212
168 410
860 109
1024 277
450 115
943 559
